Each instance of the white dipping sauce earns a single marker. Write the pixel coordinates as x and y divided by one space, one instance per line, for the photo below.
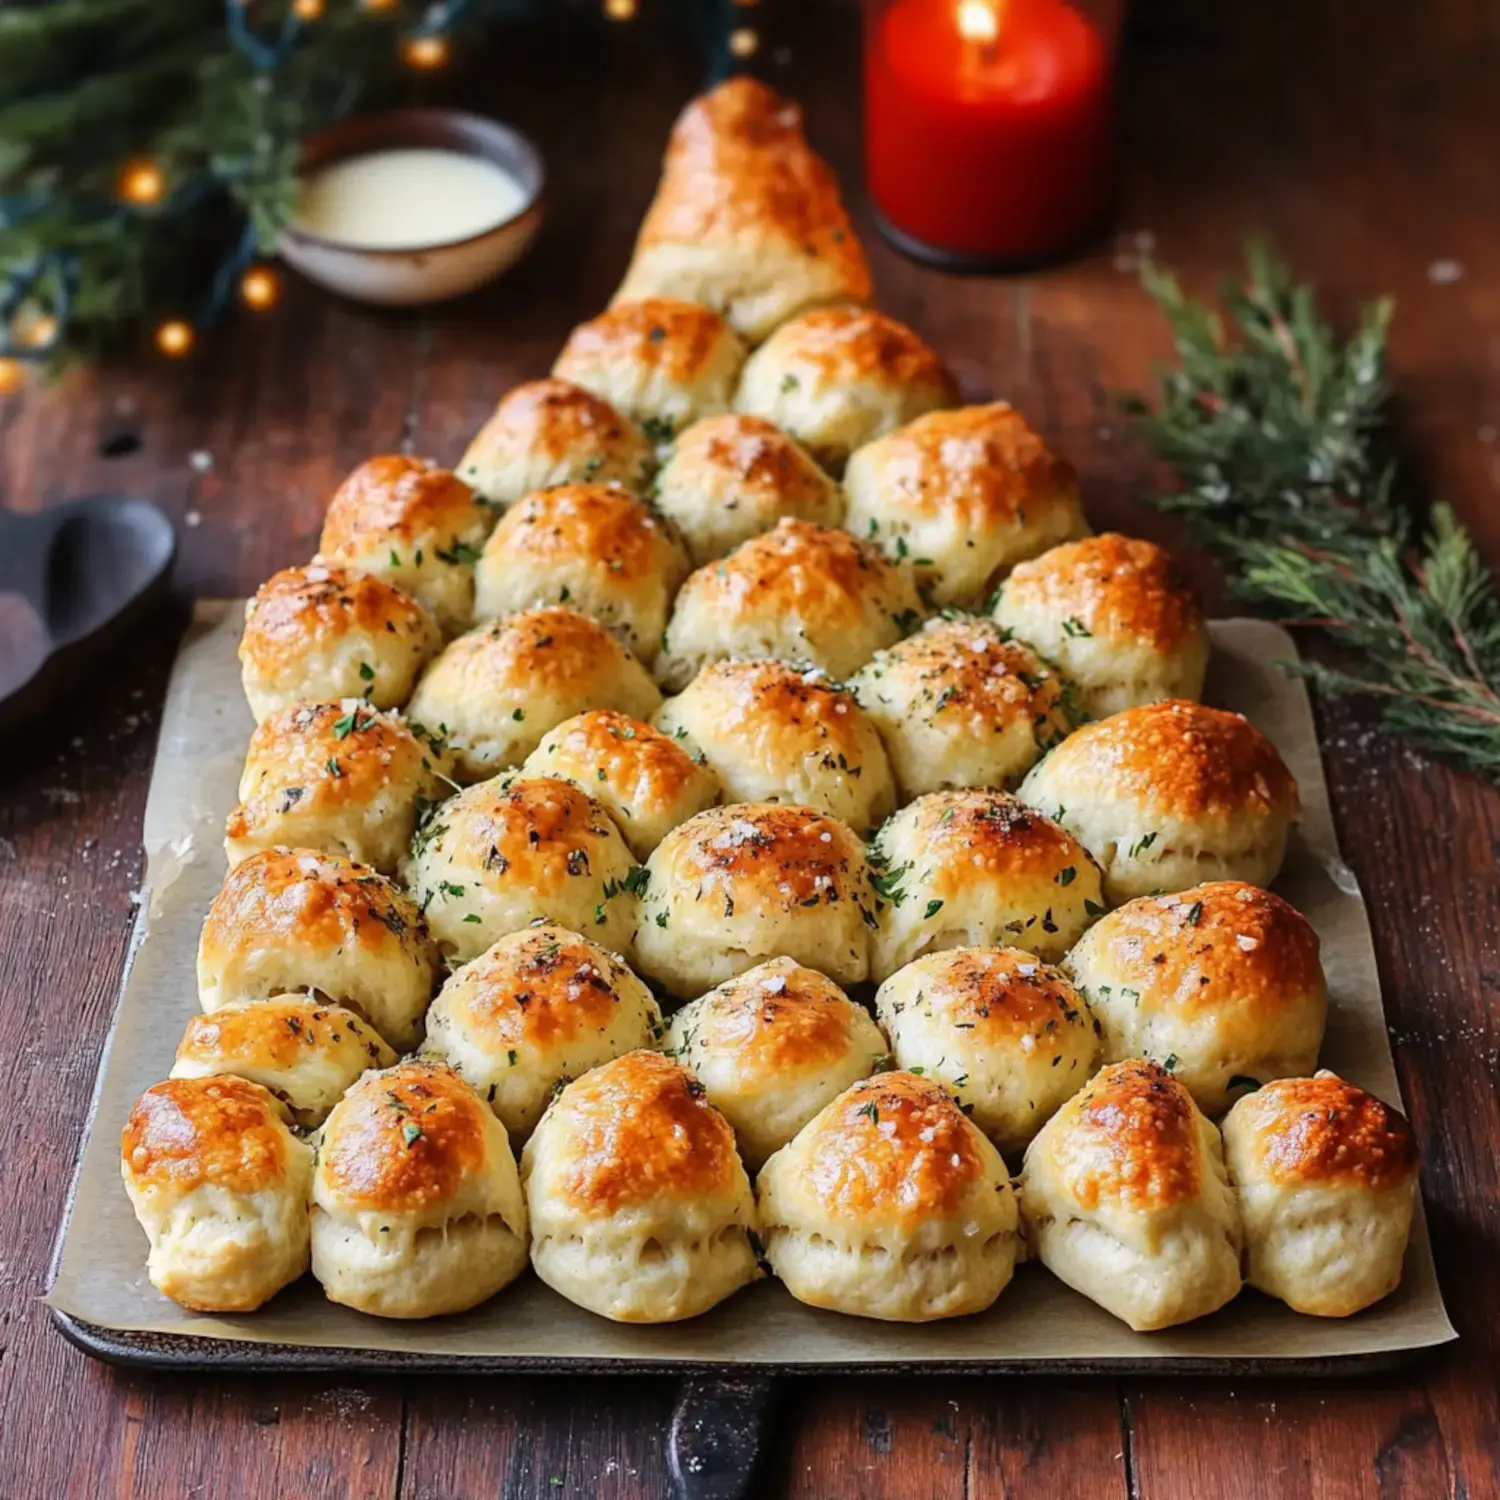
410 199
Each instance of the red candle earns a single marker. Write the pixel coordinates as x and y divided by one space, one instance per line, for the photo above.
988 127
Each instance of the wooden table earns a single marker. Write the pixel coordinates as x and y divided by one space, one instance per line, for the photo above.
1361 136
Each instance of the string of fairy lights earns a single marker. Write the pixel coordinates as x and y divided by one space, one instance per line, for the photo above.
31 332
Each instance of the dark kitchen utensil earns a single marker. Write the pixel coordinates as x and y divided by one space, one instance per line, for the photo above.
83 572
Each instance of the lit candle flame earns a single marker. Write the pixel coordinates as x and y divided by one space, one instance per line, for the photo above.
978 20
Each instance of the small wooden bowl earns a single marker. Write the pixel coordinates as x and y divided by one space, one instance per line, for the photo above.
405 278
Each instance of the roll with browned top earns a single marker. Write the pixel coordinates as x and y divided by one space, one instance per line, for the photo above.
748 219
294 919
549 432
647 781
1169 795
774 733
729 478
1008 1035
1114 614
220 1185
737 885
415 525
978 869
959 705
504 853
963 496
342 777
321 633
660 361
772 1046
496 691
641 1209
535 1009
593 547
1125 1197
1327 1179
417 1209
1221 983
890 1203
808 595
304 1052
836 378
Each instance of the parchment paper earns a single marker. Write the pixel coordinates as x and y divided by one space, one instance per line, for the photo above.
100 1275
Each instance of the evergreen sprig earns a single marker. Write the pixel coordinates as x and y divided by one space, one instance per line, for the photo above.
1277 432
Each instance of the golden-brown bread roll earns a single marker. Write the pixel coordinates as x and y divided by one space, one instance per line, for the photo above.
805 594
662 362
772 1046
836 378
1221 984
413 524
890 1204
747 219
295 919
644 779
304 1052
1168 795
978 869
1327 1180
321 633
539 1007
777 734
220 1184
640 1209
958 705
729 478
737 885
548 432
1115 615
417 1209
963 496
1006 1034
1125 1198
501 854
497 690
592 547
341 777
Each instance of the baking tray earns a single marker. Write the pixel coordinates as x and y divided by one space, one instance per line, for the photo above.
102 1300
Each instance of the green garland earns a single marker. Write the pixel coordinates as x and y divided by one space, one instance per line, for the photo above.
1278 437
210 100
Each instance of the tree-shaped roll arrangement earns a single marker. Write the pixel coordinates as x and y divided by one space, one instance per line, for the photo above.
742 823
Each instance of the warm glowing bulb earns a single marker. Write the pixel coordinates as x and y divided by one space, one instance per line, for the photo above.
42 331
307 10
619 10
174 338
259 288
426 52
142 184
743 42
978 20
12 376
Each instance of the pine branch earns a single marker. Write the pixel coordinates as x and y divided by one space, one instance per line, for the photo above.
1277 434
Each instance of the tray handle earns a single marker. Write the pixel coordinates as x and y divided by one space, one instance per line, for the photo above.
717 1436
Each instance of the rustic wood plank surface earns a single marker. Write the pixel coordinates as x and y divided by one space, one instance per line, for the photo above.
1360 136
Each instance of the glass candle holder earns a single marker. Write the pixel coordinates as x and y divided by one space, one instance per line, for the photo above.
989 127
